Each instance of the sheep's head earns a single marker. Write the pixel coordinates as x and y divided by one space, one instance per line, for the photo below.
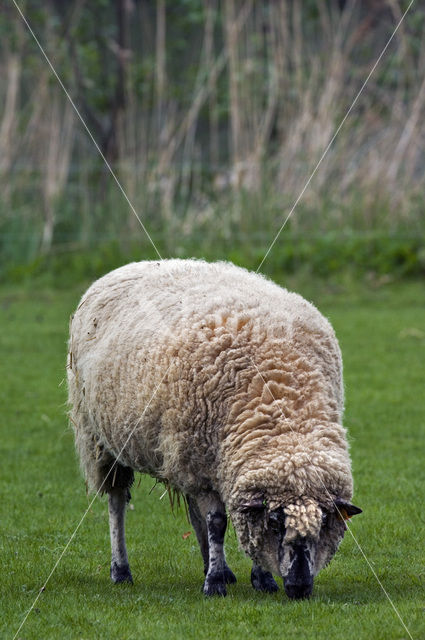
292 540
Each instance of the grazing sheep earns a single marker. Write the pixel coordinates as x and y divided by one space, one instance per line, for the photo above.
229 389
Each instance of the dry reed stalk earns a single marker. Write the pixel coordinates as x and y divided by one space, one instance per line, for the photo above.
189 147
165 173
37 103
210 7
405 144
231 38
266 117
9 119
60 125
160 69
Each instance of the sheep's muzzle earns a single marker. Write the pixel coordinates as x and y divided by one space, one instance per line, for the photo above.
298 582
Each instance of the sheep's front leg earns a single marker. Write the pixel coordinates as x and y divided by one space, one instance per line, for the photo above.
215 582
120 570
200 527
218 573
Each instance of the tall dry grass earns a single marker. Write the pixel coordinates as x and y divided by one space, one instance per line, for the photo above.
220 139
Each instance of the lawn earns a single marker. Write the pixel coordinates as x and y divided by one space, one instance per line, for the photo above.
382 336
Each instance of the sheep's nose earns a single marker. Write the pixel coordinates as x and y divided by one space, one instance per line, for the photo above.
298 591
298 582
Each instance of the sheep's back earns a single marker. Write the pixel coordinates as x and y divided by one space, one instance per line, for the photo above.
163 350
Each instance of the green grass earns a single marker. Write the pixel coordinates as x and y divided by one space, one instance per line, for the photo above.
382 335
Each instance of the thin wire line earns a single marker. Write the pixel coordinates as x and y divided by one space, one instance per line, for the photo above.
334 136
89 507
336 507
121 188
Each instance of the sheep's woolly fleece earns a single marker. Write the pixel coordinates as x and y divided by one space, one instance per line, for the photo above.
229 382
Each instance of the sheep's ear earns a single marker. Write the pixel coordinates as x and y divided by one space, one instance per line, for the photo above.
257 503
346 510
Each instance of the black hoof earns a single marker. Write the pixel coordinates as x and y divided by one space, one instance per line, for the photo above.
214 585
229 576
263 581
120 573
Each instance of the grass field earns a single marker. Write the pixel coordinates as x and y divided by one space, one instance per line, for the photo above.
382 336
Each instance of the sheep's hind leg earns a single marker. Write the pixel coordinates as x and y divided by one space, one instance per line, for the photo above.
117 483
120 569
210 522
263 580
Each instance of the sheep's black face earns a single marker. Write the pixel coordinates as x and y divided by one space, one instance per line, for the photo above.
295 542
272 538
260 532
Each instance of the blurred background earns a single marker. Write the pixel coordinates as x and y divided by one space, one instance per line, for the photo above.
212 114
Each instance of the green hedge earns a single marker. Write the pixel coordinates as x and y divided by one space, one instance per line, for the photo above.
326 256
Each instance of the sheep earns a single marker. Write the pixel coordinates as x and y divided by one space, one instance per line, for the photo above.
228 388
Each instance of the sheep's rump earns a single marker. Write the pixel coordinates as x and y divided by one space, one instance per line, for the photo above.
164 357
